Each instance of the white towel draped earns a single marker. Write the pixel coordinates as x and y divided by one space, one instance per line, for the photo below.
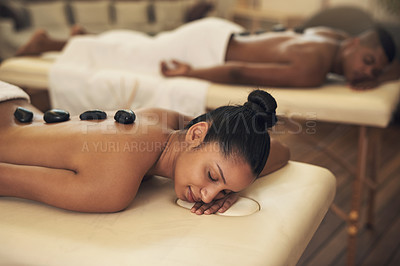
11 92
120 69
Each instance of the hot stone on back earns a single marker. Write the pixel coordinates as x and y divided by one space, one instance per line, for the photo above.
23 115
125 116
55 116
93 115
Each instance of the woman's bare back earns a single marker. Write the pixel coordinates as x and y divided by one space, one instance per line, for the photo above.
106 157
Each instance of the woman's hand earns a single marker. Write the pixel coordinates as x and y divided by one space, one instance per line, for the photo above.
178 69
220 204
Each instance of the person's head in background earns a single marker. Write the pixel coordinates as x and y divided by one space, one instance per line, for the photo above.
365 57
229 149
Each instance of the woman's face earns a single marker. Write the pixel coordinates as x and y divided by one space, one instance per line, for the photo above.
204 174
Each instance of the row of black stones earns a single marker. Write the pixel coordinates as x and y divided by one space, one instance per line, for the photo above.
23 115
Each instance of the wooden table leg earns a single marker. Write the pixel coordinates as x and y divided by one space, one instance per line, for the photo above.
374 151
367 155
354 215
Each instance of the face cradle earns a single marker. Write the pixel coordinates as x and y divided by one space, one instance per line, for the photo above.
204 174
363 63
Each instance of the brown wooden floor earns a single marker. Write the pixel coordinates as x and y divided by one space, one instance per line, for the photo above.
307 141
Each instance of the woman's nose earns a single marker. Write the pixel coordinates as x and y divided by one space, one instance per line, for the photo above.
208 194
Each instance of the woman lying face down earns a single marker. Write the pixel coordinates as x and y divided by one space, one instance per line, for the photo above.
98 166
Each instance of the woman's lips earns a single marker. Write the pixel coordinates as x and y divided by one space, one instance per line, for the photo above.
190 196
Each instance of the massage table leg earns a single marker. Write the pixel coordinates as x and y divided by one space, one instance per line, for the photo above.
369 144
354 215
375 161
367 155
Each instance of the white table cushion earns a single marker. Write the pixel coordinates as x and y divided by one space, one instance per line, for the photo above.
27 72
333 102
154 230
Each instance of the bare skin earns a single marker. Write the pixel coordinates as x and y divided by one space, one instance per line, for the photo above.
290 60
91 166
295 60
41 42
305 58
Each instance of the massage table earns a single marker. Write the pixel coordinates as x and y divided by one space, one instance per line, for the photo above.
154 230
334 102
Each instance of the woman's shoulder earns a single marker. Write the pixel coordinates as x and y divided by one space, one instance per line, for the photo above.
164 118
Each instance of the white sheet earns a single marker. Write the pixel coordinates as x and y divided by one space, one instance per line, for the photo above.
111 71
78 90
10 92
201 43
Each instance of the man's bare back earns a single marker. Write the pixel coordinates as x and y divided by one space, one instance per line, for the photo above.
287 50
274 47
289 59
273 59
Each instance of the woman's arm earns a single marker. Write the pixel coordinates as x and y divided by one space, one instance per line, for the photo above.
57 187
89 190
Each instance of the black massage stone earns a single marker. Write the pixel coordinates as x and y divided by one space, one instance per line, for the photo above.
279 28
93 115
23 115
55 116
125 116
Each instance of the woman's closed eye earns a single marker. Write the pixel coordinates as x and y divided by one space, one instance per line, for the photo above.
211 178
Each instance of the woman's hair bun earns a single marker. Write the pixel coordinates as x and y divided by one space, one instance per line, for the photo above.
264 106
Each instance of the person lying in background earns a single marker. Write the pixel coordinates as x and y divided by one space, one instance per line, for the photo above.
98 166
278 59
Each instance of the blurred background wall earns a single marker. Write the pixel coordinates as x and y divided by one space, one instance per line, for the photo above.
20 18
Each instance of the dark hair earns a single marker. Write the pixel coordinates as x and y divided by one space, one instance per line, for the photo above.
243 129
386 42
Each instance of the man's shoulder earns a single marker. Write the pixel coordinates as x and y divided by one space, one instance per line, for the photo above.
328 33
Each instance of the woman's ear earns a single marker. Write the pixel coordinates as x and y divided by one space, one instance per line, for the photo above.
196 133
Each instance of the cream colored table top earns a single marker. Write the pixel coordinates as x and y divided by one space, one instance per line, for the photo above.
156 231
333 102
